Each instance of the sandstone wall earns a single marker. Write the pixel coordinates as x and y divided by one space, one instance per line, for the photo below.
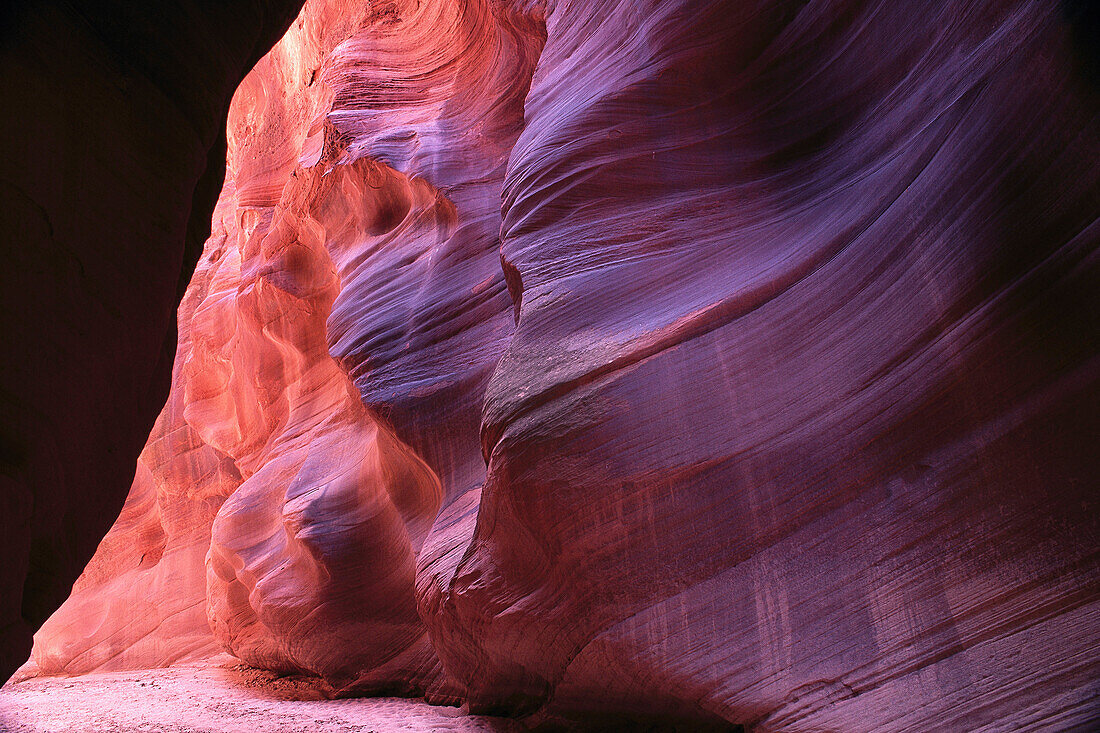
725 361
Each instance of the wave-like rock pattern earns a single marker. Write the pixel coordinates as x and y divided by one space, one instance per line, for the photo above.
645 359
327 235
807 333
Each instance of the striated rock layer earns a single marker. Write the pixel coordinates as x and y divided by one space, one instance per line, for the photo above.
671 360
329 269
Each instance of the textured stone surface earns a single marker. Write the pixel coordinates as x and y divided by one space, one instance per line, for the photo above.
311 230
795 424
112 161
733 362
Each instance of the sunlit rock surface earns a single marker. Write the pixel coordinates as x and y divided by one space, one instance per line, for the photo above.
327 265
726 362
112 157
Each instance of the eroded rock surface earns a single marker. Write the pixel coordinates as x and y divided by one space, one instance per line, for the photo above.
328 270
730 362
113 155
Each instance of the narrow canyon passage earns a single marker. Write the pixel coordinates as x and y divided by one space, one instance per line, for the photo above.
620 364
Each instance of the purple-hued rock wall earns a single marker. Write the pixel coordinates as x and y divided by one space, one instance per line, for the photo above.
732 363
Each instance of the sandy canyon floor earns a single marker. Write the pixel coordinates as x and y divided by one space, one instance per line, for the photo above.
220 696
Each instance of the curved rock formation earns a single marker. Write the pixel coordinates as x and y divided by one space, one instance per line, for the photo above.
311 229
652 360
113 159
806 346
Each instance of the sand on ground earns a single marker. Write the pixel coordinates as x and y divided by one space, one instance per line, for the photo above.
218 696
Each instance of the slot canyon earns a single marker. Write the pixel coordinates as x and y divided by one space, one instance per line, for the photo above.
550 365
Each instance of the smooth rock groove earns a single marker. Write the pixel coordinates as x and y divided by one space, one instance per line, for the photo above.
724 362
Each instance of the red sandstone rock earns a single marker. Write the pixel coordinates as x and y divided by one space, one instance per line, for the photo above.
774 325
111 127
307 220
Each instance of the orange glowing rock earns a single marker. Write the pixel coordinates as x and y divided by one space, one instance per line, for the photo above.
731 362
310 562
